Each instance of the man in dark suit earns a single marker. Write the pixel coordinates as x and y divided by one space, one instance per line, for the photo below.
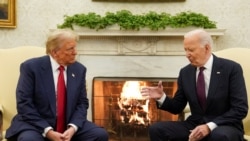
37 94
218 117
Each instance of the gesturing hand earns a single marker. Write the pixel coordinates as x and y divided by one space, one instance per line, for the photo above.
153 92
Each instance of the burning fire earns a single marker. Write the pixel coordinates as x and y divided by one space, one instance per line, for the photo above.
133 107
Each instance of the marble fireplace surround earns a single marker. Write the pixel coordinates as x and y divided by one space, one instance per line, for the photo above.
138 54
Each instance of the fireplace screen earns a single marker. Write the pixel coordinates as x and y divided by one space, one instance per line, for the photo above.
119 107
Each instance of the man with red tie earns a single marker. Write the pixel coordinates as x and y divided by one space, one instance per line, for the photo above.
215 90
51 96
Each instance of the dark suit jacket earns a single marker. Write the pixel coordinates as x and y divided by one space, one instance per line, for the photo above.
226 100
36 98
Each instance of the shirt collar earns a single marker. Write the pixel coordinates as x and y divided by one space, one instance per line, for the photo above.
54 64
209 63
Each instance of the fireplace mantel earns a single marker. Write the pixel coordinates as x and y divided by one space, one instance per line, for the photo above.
144 32
142 42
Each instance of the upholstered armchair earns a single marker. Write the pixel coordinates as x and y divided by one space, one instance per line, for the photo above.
242 56
10 60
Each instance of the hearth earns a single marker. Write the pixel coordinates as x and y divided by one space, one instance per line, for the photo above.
119 107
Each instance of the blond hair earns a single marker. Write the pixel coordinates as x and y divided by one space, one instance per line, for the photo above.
58 37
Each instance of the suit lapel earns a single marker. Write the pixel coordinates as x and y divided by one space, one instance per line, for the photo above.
71 88
214 79
48 82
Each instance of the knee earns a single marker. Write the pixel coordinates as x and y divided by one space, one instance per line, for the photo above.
29 136
101 134
225 134
153 128
218 135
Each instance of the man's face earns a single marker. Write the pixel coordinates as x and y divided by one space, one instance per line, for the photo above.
196 54
65 55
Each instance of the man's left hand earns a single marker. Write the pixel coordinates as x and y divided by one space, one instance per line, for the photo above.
67 135
199 132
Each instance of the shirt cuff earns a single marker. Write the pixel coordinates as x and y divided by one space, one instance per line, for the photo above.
46 130
161 100
74 126
211 126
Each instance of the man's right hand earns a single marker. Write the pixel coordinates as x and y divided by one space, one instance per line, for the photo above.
153 92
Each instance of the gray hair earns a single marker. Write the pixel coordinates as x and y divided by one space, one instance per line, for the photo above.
58 37
204 37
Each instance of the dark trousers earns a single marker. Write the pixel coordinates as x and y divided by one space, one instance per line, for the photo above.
180 130
94 133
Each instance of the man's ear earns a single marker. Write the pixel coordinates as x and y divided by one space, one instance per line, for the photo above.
208 47
53 53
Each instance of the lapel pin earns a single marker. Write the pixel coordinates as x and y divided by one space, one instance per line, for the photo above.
73 75
218 72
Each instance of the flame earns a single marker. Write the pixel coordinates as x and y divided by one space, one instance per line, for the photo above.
134 108
131 90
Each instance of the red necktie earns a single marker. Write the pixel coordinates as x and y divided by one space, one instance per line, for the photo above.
61 101
201 88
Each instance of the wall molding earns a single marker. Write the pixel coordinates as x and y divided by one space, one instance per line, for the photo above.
142 42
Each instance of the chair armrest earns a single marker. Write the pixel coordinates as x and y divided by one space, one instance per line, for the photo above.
182 115
187 109
247 137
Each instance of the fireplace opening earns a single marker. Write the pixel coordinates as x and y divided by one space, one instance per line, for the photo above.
119 107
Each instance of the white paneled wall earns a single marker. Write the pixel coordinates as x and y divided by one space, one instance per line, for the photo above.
36 18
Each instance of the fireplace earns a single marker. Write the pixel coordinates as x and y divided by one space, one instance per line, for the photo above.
113 57
119 107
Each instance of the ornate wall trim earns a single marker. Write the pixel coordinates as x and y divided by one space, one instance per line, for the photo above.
143 42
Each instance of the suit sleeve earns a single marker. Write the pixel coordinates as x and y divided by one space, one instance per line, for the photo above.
25 103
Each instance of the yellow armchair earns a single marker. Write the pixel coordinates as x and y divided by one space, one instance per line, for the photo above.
242 56
10 60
